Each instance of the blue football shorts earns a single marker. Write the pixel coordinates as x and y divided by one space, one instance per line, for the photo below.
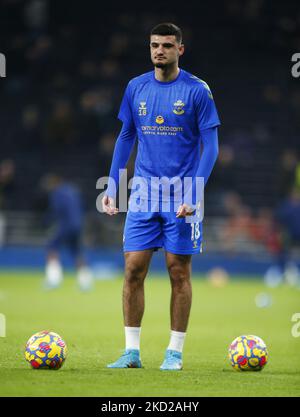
161 229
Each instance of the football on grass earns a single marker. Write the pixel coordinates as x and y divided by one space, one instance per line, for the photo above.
46 350
248 353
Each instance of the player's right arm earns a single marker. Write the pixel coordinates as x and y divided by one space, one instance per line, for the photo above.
122 152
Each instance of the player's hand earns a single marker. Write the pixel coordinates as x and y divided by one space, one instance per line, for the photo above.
108 206
184 210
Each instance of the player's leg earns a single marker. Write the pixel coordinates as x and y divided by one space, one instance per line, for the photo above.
181 239
53 269
136 268
179 268
84 273
142 234
85 278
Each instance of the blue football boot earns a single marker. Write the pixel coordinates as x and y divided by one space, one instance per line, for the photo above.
172 362
129 359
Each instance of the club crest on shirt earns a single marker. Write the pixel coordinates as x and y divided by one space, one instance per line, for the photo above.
178 107
142 109
159 120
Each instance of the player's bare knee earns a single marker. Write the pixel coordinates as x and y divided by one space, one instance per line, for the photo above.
135 272
179 275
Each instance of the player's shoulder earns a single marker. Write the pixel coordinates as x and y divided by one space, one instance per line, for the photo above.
140 80
198 86
194 81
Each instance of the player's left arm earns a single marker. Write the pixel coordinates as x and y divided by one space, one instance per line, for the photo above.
210 151
210 146
208 122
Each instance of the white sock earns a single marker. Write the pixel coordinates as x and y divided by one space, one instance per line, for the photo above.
176 341
54 272
85 278
132 337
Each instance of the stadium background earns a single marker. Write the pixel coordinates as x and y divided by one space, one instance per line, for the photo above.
67 68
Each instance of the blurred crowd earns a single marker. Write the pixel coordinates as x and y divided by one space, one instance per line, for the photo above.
68 65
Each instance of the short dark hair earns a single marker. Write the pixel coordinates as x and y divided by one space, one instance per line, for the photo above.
166 29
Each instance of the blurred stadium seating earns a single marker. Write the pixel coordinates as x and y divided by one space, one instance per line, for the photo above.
67 68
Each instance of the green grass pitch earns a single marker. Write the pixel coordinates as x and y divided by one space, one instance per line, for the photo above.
91 324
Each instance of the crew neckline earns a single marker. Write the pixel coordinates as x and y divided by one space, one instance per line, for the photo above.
167 83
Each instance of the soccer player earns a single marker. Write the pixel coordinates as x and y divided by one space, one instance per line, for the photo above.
65 209
287 215
173 116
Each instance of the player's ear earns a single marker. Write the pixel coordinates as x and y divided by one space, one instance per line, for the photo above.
181 49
